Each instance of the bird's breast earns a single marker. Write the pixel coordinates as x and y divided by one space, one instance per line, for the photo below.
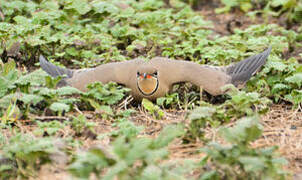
147 86
149 89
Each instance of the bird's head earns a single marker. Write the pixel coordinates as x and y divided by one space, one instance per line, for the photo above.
147 80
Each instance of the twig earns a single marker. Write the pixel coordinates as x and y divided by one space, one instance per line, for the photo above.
125 102
2 15
51 118
77 109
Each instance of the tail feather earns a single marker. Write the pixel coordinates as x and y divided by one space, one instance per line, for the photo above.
245 69
55 71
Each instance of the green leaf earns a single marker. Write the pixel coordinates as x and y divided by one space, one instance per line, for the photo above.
138 150
167 135
94 104
202 112
35 78
59 107
160 101
252 164
276 3
67 90
109 93
6 100
115 170
295 79
106 110
80 123
52 82
152 172
31 98
8 67
148 105
102 7
6 27
72 51
280 160
277 65
295 97
245 6
152 108
21 19
31 152
81 6
4 86
279 86
246 130
209 175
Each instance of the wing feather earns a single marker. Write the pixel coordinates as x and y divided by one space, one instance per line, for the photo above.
119 72
210 78
245 69
176 71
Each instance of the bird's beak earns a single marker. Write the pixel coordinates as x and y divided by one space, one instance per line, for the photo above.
145 75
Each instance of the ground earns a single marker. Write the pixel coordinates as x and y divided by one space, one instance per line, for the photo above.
282 124
282 127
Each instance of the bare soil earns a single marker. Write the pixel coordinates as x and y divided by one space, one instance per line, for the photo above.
282 125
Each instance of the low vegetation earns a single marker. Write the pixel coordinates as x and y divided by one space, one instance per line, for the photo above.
43 125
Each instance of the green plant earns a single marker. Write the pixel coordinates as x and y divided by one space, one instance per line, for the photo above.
244 5
48 128
100 97
79 124
25 90
11 115
291 9
238 160
168 100
239 105
153 109
24 154
125 126
128 158
83 34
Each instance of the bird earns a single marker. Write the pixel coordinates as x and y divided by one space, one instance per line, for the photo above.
154 78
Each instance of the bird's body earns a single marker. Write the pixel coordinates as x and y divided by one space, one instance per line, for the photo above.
154 78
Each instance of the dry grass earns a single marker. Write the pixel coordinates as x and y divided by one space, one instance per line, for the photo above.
282 127
282 124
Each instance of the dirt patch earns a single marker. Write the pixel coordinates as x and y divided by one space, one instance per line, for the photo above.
282 124
282 127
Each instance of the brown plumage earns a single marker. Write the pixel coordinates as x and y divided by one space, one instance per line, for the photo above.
154 78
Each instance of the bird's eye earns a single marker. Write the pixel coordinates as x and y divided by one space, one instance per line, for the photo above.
155 73
137 73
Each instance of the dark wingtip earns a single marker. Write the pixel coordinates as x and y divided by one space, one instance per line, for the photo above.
53 70
267 51
43 62
47 66
269 48
42 59
245 69
264 57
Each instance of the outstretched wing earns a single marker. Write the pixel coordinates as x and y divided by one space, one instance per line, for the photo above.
176 71
245 69
210 78
55 71
120 72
